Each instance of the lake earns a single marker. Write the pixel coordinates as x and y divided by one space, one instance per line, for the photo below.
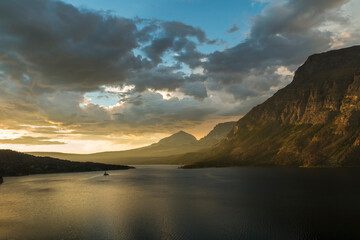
164 202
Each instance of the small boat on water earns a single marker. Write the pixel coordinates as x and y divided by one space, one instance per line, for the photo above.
106 174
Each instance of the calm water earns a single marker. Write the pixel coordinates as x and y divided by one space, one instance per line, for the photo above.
163 202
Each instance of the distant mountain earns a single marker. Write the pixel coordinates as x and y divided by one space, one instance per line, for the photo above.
312 122
162 152
178 139
17 164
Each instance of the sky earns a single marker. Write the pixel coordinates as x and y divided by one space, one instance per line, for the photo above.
88 76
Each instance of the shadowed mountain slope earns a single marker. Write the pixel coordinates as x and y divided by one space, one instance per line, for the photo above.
217 134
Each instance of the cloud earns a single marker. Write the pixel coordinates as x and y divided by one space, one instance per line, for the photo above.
28 140
233 29
174 36
54 46
189 55
53 54
160 78
195 89
59 46
181 30
284 34
154 111
169 79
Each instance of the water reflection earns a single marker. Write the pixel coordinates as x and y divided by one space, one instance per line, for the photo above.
163 202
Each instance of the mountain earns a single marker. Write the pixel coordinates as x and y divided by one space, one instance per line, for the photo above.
217 134
17 164
178 139
312 122
162 152
178 143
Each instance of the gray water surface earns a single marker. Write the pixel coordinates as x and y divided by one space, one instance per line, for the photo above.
163 202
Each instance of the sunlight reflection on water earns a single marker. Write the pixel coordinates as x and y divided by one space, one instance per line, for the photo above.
163 202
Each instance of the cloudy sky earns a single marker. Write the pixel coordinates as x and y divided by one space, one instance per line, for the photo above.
88 76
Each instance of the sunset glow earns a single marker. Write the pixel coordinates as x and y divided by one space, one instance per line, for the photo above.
120 76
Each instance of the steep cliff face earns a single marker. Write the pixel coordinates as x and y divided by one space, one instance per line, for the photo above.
314 121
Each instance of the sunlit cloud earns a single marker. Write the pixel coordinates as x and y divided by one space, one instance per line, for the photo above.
123 89
11 134
110 82
166 95
29 140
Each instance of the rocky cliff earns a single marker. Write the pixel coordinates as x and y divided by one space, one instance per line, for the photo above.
314 121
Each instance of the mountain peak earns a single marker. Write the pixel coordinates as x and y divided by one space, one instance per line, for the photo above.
179 138
181 132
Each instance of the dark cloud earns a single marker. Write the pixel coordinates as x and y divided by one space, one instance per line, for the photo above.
145 34
160 78
48 46
56 44
168 79
233 29
285 33
174 36
181 30
215 41
195 89
154 112
51 53
157 48
137 113
190 55
242 92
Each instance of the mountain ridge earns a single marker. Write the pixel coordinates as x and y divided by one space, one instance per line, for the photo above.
311 122
162 152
